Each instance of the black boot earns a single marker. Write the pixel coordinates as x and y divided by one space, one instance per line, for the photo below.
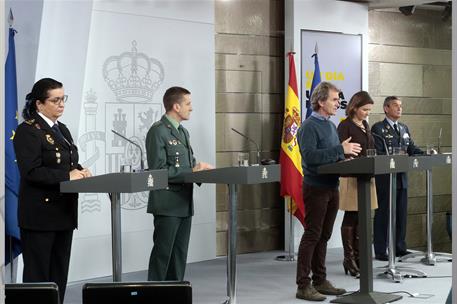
349 263
356 246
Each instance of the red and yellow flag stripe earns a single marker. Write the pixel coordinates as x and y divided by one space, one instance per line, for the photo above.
290 158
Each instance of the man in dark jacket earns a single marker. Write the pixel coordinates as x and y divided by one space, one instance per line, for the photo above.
168 147
319 145
397 138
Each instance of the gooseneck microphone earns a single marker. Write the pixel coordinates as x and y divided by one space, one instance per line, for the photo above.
383 141
136 145
439 141
251 140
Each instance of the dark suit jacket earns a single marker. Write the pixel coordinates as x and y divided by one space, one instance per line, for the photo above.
347 128
392 139
167 149
44 161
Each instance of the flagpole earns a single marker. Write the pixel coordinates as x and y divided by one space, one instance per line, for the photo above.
10 252
287 195
290 257
8 67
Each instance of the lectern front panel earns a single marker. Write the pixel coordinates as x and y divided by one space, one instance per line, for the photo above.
118 182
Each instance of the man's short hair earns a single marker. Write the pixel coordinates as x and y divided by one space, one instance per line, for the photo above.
321 93
389 99
174 95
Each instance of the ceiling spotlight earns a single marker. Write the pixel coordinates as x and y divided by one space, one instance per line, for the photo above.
407 10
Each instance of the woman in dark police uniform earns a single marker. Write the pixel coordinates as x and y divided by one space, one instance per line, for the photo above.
46 156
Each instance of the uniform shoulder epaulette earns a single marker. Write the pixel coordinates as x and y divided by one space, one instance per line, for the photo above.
30 121
375 125
157 123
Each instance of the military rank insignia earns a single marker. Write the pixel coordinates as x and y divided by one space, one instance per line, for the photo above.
30 121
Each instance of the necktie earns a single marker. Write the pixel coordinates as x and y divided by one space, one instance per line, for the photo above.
181 132
57 132
396 129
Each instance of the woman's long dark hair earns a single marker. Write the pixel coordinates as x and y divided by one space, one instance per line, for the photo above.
39 92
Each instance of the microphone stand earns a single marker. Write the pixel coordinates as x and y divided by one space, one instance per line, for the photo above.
251 140
391 269
136 145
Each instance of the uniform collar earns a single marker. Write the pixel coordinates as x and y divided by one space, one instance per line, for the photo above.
391 122
173 121
47 120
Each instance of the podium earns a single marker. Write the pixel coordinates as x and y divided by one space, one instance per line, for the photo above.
364 168
427 162
114 184
234 176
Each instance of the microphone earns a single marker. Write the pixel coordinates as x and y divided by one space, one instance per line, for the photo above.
383 141
251 140
439 141
136 145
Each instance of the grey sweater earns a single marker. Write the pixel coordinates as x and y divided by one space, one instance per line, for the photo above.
319 145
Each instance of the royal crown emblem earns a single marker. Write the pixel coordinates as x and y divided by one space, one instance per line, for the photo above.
392 163
264 173
133 75
150 181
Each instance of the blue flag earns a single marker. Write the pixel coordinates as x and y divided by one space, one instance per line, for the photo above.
11 170
316 81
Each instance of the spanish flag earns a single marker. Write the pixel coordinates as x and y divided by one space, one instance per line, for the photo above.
290 158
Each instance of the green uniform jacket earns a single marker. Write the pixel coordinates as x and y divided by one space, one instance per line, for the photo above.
167 148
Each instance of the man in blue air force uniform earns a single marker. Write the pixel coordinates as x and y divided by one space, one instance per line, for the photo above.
168 147
395 135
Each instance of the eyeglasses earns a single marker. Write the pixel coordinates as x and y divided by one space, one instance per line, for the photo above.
57 100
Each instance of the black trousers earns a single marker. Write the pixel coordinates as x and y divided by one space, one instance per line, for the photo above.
46 256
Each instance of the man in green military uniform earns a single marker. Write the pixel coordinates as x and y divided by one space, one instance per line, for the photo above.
168 147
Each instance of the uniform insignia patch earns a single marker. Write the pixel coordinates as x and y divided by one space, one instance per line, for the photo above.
37 126
30 121
49 139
